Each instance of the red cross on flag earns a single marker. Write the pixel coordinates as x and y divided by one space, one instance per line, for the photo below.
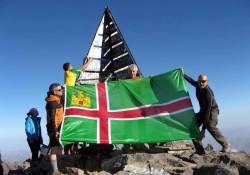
143 110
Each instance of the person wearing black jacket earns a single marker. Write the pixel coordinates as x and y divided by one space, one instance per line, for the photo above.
208 114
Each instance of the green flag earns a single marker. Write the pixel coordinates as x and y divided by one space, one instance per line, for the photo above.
143 110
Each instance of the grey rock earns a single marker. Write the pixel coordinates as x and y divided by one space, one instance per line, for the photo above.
73 171
217 170
184 163
113 164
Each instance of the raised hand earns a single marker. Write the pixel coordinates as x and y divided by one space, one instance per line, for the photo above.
182 70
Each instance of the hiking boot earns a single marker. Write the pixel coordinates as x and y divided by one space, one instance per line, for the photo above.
226 149
199 152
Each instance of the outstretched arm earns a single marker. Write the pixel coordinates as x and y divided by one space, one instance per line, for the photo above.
189 79
89 60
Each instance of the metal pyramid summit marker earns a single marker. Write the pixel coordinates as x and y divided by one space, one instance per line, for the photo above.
110 53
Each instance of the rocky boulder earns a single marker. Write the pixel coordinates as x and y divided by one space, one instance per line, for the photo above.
184 163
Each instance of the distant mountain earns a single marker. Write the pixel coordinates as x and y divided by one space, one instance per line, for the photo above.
16 156
238 138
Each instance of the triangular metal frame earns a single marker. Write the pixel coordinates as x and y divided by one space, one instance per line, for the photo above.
110 53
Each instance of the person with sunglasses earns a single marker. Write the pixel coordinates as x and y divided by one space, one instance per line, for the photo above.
208 114
54 111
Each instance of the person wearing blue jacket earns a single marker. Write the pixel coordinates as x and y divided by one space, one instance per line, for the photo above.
33 132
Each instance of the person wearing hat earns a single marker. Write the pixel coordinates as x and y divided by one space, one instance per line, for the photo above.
33 132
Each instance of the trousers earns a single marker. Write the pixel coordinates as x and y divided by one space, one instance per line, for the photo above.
34 148
212 129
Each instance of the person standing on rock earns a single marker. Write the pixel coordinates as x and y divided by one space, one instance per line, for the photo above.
33 132
54 111
208 114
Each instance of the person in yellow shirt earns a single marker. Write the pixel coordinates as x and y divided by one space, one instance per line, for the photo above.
70 73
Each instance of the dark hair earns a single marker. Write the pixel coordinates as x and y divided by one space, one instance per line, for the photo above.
66 66
53 87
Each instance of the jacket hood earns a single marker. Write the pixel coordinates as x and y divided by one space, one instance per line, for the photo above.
38 118
52 98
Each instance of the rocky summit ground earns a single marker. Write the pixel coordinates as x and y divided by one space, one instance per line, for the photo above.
143 162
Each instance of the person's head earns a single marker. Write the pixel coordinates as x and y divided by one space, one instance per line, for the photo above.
55 89
132 70
202 81
67 66
33 112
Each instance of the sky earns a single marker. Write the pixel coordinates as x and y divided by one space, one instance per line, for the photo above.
37 37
